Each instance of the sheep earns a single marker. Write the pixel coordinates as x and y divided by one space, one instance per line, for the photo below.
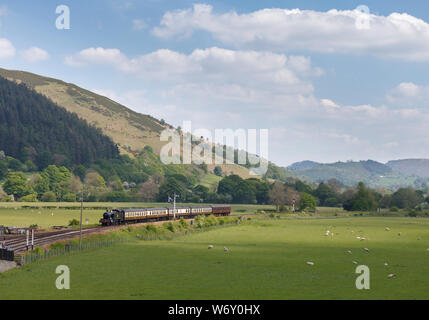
391 276
211 246
310 263
399 233
386 264
387 229
366 249
349 252
354 262
358 238
427 249
225 249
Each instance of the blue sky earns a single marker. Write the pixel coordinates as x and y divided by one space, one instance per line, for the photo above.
325 89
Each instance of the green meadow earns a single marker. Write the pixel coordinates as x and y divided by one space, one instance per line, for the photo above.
266 259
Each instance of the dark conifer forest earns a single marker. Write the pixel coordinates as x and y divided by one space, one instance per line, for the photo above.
32 127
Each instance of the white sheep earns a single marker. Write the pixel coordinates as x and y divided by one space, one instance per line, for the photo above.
310 263
225 249
366 249
349 252
387 229
354 262
386 264
391 276
211 246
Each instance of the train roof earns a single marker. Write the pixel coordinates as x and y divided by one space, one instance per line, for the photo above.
165 208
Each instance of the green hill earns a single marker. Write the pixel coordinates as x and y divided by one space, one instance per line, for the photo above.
34 128
374 174
410 167
130 130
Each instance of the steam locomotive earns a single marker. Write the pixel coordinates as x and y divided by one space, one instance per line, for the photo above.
125 216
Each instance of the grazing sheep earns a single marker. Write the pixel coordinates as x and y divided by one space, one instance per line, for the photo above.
358 238
310 263
391 276
349 252
427 249
354 262
387 229
361 239
386 264
366 249
211 246
225 249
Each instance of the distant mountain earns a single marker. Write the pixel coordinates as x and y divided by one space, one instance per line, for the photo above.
34 128
411 167
374 174
303 165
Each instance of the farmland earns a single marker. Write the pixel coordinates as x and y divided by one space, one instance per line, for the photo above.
267 259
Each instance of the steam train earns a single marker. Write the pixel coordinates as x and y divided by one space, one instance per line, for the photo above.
125 216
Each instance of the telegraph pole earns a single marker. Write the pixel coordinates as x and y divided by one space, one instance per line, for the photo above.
81 216
174 204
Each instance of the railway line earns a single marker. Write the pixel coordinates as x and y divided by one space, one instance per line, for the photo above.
19 244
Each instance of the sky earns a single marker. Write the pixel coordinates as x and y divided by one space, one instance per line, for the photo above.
330 80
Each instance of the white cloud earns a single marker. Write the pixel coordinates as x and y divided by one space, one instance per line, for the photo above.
409 95
7 50
35 54
398 35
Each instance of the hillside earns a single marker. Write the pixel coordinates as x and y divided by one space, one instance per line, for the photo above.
411 167
34 128
303 165
375 174
130 130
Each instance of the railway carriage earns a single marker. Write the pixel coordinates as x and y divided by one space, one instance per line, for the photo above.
124 216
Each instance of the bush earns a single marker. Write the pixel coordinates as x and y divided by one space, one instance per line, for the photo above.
49 196
394 209
183 223
69 197
151 228
412 213
29 198
169 226
34 226
73 223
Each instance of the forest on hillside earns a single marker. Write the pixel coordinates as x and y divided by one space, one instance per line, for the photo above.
33 128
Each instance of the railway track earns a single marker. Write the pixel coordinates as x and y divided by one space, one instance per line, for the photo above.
19 244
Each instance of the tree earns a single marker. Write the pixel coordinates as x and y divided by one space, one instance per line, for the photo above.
169 187
406 198
307 202
324 192
363 200
49 196
149 191
218 171
277 195
16 184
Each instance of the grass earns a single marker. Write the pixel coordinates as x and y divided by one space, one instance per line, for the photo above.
266 260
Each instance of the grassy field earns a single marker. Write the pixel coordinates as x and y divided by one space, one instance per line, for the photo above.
266 260
59 214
